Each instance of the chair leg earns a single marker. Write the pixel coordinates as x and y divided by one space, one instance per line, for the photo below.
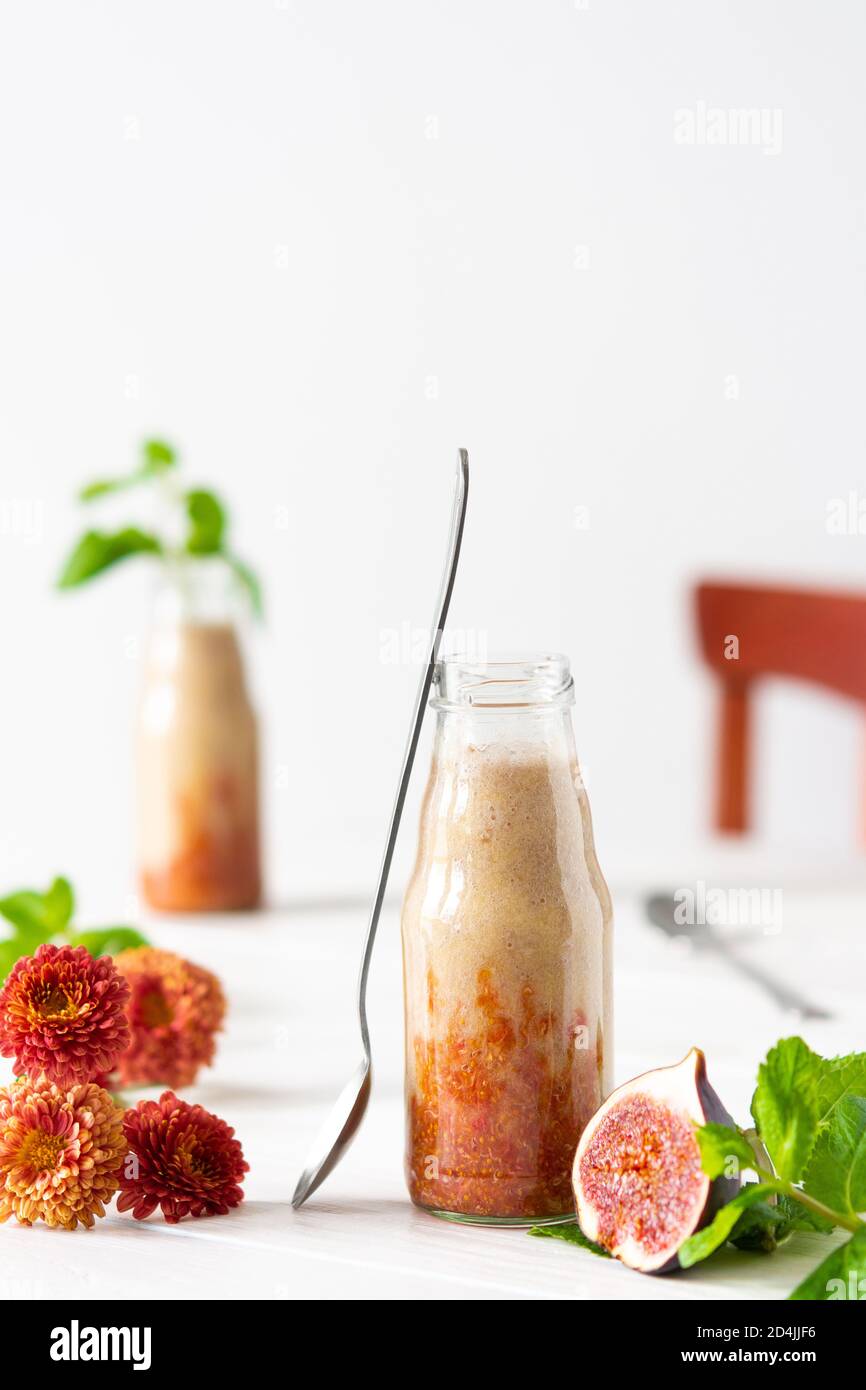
732 770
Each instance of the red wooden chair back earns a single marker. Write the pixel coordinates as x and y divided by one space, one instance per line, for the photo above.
750 631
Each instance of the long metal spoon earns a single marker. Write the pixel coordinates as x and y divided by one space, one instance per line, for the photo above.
343 1123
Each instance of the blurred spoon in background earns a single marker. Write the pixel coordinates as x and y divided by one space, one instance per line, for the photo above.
662 910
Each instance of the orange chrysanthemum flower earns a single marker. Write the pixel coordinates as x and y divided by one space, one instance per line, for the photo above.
182 1159
175 1010
60 1152
63 1014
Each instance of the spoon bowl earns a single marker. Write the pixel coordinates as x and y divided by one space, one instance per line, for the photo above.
337 1132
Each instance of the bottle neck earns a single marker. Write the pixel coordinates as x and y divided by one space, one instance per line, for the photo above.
198 631
198 591
542 730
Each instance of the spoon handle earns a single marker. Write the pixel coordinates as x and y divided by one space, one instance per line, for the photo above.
458 519
789 1000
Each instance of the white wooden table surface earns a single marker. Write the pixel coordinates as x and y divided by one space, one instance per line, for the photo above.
290 1045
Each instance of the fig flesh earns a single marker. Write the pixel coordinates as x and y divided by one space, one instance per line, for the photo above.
639 1187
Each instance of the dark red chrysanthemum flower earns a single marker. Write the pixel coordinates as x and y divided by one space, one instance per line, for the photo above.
175 1011
63 1014
182 1159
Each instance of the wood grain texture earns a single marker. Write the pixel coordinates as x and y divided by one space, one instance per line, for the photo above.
289 1046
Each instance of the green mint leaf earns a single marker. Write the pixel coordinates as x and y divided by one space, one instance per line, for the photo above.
10 952
785 1106
723 1150
60 903
705 1242
841 1276
35 917
800 1218
248 581
571 1232
157 458
207 523
840 1077
97 551
26 912
108 941
762 1227
39 915
102 487
836 1174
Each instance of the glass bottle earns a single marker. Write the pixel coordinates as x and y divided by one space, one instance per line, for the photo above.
197 749
507 936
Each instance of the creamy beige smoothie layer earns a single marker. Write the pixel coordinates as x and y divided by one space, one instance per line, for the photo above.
507 882
197 753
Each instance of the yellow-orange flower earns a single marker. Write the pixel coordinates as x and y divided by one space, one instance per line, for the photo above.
61 1152
175 1009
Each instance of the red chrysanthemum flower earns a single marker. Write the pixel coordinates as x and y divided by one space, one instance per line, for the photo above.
175 1010
60 1152
182 1159
63 1014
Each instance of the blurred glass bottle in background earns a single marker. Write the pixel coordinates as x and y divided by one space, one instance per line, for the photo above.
197 750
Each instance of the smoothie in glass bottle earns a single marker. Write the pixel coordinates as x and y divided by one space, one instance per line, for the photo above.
197 753
507 951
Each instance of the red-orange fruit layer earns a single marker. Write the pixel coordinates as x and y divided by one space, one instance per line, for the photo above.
216 867
496 1113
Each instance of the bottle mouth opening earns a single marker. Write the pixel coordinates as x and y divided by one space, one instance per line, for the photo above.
506 683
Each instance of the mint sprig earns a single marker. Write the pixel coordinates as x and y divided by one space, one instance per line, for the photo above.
203 520
811 1124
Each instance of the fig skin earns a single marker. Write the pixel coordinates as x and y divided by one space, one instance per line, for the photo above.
684 1092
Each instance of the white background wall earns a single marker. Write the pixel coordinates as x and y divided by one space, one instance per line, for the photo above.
320 245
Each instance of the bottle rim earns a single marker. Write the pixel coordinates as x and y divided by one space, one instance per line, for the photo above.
503 683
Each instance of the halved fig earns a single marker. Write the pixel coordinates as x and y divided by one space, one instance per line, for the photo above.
638 1182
